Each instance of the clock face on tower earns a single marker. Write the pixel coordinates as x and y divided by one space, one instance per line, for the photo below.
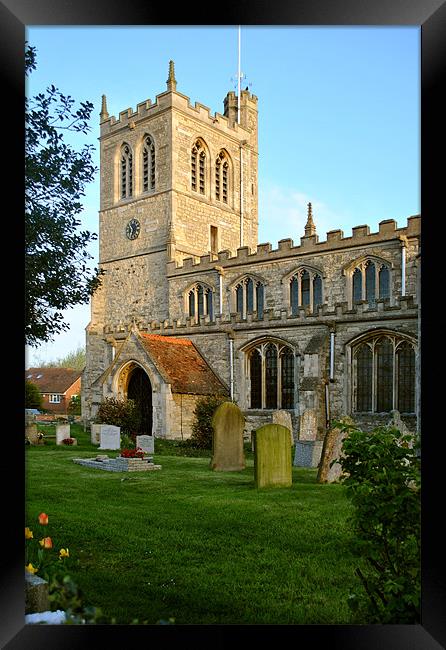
132 229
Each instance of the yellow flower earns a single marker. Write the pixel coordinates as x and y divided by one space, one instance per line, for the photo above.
31 569
28 533
64 553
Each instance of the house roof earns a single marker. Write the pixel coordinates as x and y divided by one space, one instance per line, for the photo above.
181 365
52 380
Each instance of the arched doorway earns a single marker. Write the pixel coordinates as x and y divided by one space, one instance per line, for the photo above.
139 389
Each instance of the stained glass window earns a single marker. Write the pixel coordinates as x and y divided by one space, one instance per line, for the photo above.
370 283
406 378
357 286
317 290
384 375
294 295
384 288
260 298
364 368
256 379
305 288
271 376
287 359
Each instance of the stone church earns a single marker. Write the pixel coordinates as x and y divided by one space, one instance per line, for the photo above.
191 304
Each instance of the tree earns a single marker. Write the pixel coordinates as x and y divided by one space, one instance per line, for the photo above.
75 359
56 271
33 398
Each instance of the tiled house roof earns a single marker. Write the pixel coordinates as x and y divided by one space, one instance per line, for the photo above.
181 365
52 380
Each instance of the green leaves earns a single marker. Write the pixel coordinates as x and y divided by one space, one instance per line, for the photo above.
56 273
382 476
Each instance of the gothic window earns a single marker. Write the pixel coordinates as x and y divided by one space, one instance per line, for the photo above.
369 280
221 177
255 364
126 172
248 297
384 374
270 365
200 302
305 290
148 165
198 167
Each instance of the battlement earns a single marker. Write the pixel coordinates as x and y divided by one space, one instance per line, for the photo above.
404 307
361 236
129 118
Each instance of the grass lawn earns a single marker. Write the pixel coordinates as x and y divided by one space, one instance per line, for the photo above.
198 546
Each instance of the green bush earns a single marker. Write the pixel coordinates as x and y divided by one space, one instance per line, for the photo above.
33 398
121 413
382 476
202 425
74 406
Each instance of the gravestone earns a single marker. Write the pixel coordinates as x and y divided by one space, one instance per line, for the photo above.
308 425
110 437
284 418
62 432
96 434
36 593
307 453
272 456
146 443
227 439
331 451
32 433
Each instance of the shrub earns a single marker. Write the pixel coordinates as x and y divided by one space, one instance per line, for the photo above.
121 413
382 475
128 442
74 406
202 425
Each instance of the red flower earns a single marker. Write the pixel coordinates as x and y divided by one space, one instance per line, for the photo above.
46 542
43 519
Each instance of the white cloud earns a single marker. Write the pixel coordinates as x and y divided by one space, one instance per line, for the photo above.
283 213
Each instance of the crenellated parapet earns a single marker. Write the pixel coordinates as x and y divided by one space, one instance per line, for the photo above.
335 241
130 119
404 307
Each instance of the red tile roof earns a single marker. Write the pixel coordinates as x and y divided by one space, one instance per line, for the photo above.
182 366
52 380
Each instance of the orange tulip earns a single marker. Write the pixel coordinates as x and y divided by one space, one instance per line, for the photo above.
43 519
46 542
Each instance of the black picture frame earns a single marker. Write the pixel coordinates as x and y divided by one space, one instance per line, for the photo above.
430 15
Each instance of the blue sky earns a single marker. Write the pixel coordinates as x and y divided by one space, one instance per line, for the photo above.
339 115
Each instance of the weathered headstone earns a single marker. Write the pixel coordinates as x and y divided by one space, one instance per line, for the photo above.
31 431
146 443
284 418
110 437
307 453
96 434
272 456
227 440
308 425
332 451
62 433
397 422
36 593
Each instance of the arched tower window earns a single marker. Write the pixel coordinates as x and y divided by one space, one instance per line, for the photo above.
148 164
383 374
222 177
198 168
270 368
126 172
248 297
305 290
200 301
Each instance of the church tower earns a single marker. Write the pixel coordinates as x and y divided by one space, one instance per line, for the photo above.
175 182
